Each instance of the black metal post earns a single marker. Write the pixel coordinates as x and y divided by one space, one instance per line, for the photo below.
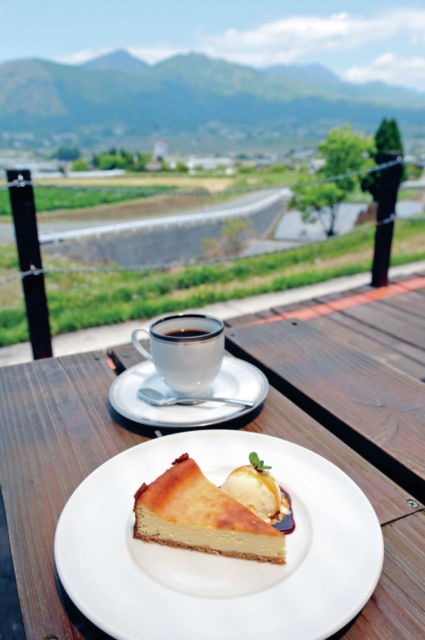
24 217
387 197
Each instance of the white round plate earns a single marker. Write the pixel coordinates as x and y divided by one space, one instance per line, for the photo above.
237 380
133 590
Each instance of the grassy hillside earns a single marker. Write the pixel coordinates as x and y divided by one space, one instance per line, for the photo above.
186 92
78 301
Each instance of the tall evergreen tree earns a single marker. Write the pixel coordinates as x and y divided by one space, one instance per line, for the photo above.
387 138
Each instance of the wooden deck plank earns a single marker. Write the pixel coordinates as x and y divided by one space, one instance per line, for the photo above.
393 344
390 320
418 274
388 344
238 321
375 409
411 303
385 348
397 607
55 430
367 344
374 340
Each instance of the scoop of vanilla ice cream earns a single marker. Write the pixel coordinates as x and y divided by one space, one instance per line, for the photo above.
256 490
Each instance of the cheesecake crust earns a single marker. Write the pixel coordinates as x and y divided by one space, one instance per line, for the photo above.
229 554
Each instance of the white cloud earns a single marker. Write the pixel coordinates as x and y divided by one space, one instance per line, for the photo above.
283 41
406 72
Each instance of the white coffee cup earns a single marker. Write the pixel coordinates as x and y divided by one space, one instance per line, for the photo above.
186 349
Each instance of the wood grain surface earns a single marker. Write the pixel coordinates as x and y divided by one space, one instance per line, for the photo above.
396 610
375 409
56 427
390 319
367 332
412 303
370 339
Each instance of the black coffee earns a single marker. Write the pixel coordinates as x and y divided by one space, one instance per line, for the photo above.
187 333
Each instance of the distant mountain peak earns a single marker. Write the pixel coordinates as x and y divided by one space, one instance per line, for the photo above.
119 60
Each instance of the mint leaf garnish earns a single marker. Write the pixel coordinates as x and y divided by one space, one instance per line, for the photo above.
256 462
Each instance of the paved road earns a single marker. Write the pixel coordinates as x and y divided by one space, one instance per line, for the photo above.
241 206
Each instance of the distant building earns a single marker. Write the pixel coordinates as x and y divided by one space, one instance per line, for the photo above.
97 173
316 164
303 154
153 165
160 149
263 163
209 164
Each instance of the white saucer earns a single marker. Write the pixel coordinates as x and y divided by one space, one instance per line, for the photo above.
237 380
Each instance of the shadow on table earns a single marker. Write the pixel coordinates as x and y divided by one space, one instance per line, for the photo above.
87 629
11 625
148 431
340 634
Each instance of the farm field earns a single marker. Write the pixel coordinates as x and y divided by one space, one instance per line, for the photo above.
69 205
47 199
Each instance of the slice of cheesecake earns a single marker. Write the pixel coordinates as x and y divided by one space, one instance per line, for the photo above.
182 508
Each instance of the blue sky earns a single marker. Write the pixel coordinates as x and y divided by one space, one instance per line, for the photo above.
359 40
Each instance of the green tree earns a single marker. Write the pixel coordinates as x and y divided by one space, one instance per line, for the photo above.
344 151
67 154
128 157
387 138
109 161
80 165
181 167
319 201
144 158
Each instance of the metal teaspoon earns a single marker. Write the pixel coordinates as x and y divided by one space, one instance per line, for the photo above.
158 400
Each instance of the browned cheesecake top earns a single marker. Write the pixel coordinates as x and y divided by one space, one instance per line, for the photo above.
183 494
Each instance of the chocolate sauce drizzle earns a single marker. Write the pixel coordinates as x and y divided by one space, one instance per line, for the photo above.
287 524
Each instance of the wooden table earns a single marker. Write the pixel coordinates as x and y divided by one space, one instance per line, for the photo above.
56 427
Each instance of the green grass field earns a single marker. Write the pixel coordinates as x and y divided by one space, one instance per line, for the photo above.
51 199
78 301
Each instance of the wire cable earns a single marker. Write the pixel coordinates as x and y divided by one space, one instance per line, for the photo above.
190 263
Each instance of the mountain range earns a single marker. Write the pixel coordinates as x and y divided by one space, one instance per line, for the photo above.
191 92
